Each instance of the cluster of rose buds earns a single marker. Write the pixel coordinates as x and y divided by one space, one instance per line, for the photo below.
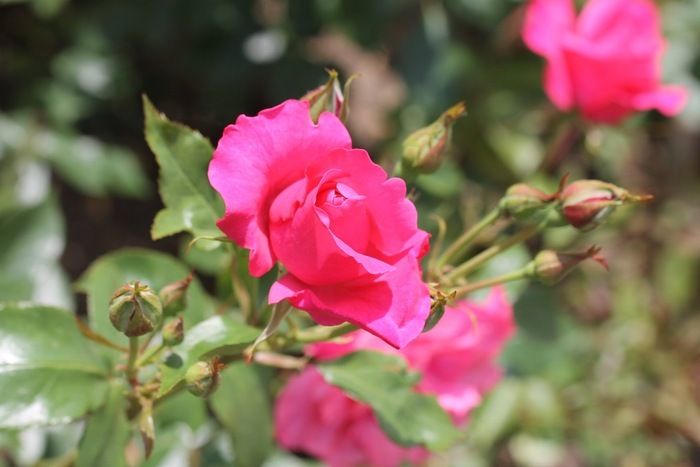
583 204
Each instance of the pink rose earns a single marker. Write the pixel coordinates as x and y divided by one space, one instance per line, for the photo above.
318 419
296 192
606 62
457 358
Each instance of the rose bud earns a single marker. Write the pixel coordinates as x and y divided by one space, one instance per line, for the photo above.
424 149
530 205
173 332
174 296
135 309
585 204
549 267
329 98
202 378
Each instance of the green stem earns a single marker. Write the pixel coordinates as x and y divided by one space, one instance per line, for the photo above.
473 263
519 274
462 243
147 357
321 333
131 368
304 336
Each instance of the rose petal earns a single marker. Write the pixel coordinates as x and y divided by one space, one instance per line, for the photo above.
259 156
669 100
546 24
621 27
394 307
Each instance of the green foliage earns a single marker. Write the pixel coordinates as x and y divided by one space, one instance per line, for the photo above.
106 433
49 373
153 268
242 405
183 156
384 382
219 335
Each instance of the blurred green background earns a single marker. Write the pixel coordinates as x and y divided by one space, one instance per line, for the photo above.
605 369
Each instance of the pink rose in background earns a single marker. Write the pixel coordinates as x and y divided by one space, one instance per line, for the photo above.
457 360
313 417
297 193
606 62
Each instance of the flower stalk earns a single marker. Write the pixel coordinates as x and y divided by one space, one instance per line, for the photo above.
131 366
475 262
457 249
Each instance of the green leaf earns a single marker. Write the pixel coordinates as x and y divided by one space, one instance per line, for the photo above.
183 155
151 267
242 406
384 382
183 407
48 372
106 433
219 335
32 242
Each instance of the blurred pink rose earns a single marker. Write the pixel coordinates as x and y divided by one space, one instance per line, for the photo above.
297 192
318 419
457 360
606 62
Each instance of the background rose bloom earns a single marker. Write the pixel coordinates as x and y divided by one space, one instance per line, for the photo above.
457 358
606 62
297 192
315 418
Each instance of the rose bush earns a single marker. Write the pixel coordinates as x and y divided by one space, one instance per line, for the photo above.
457 360
298 193
606 62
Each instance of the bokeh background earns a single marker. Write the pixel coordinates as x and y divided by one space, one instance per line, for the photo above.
605 369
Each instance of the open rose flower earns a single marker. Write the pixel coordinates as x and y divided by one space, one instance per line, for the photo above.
457 360
606 62
298 193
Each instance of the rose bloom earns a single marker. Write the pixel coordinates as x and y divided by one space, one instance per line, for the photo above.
298 193
457 360
606 62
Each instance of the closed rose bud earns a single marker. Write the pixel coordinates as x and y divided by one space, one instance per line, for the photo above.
173 332
549 267
530 205
135 309
586 204
329 97
174 296
425 149
202 378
